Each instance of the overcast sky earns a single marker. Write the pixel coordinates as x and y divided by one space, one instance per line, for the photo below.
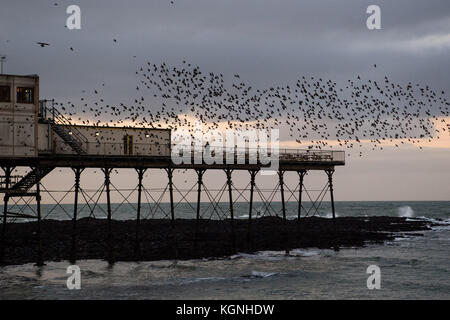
266 42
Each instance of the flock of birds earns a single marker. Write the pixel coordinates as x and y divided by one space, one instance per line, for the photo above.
314 111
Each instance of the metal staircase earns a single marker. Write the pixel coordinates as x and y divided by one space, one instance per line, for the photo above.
30 179
65 130
63 127
68 137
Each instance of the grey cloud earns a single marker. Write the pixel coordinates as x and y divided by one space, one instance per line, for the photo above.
267 42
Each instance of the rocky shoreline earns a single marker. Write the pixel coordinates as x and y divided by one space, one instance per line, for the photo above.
163 239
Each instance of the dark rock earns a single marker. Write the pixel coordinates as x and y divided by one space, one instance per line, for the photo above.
161 239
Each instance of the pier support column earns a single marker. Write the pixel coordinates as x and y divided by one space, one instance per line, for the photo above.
230 197
283 208
253 174
200 173
140 173
301 175
7 171
107 172
40 260
73 251
172 212
172 207
330 185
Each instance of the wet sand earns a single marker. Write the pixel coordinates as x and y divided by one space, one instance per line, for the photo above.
163 239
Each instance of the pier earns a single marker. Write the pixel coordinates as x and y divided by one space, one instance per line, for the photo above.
57 143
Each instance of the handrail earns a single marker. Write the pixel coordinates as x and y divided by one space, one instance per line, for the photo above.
59 119
12 180
285 153
165 149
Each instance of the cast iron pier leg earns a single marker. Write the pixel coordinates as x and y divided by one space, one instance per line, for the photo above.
252 187
107 172
7 171
330 184
73 251
172 207
140 173
172 212
283 206
200 173
40 261
230 197
301 175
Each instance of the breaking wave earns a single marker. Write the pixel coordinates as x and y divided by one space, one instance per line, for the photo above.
405 211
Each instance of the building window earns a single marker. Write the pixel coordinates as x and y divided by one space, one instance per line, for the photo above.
5 94
127 145
25 95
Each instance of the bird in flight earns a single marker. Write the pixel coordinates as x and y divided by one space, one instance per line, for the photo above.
43 44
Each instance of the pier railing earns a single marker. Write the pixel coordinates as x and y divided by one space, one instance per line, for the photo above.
247 155
12 180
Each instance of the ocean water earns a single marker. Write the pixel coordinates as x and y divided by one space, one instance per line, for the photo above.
413 267
183 210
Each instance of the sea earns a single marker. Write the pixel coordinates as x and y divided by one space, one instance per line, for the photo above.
412 266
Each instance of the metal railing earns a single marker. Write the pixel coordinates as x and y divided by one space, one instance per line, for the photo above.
52 114
12 180
118 149
284 154
136 149
246 155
